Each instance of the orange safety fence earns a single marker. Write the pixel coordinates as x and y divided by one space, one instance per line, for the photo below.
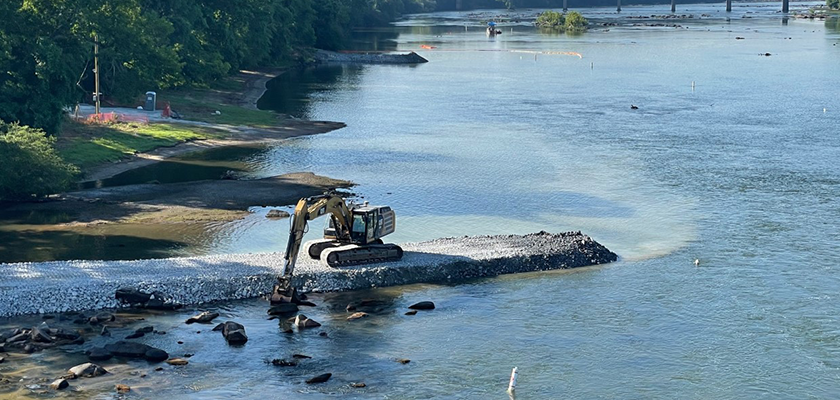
114 117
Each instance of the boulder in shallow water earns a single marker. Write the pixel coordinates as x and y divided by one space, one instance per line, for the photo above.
155 355
357 315
302 322
278 362
37 334
234 333
128 349
423 305
319 379
177 361
87 370
203 318
121 388
59 384
135 335
99 354
276 214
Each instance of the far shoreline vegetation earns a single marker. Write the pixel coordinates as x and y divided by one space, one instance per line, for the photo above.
188 51
571 22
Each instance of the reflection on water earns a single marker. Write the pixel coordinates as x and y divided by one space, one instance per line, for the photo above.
291 92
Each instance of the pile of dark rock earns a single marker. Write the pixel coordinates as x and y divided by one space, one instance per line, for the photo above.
37 338
151 301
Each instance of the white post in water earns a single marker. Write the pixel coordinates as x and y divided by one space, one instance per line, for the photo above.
512 384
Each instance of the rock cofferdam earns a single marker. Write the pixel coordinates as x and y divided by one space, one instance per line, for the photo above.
46 287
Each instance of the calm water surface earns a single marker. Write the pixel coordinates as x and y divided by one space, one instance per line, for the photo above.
738 170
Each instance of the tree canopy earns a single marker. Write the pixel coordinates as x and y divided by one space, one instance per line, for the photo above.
46 46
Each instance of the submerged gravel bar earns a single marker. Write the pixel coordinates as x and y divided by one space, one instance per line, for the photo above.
56 286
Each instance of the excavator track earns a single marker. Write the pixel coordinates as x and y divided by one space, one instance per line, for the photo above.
352 254
314 248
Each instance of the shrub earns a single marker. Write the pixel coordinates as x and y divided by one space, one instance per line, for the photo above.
29 165
575 21
551 19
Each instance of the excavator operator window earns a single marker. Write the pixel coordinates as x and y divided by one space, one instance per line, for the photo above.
359 228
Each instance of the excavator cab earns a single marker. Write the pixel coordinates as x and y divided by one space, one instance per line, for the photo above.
368 224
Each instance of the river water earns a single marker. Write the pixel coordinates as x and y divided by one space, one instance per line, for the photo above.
730 158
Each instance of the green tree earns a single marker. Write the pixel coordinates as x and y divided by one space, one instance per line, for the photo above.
833 4
31 167
575 21
40 61
551 19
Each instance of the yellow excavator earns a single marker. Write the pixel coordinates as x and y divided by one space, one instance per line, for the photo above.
353 236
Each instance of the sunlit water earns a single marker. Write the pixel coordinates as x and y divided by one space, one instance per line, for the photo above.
730 158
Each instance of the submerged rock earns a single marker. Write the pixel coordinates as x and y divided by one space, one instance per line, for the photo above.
87 370
278 362
357 315
59 384
412 312
204 317
234 333
155 355
177 361
135 335
36 334
276 214
319 379
423 305
302 322
99 354
121 388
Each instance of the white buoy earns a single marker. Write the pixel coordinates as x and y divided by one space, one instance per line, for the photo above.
692 85
824 110
696 262
512 384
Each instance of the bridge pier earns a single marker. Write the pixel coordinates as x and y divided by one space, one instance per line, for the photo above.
673 5
785 6
728 5
565 6
619 6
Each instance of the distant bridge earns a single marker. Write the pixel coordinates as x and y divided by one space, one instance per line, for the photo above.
785 5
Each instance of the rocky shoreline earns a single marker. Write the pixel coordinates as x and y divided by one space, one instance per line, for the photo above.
31 288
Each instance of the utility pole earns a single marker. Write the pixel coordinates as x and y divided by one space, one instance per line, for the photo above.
96 69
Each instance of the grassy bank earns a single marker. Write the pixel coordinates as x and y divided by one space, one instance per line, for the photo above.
88 145
233 96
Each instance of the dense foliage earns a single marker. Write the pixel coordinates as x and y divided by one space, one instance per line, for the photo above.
574 21
833 4
46 46
551 19
31 168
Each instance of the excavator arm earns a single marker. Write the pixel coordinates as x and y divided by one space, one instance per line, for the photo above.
306 210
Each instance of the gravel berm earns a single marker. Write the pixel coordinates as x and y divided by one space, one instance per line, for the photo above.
56 286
